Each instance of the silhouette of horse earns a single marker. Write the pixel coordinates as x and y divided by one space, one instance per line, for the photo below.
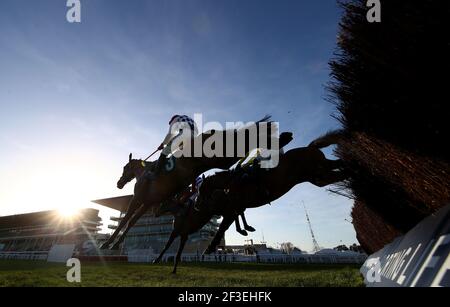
226 194
180 172
138 167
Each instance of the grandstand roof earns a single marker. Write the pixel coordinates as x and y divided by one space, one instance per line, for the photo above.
40 218
117 203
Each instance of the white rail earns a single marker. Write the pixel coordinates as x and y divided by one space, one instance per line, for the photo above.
304 258
37 255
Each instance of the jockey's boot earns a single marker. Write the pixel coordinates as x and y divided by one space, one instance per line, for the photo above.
197 207
151 175
160 164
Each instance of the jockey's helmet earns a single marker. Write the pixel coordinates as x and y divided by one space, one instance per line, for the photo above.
173 118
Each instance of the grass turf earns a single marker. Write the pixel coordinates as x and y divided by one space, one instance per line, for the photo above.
19 273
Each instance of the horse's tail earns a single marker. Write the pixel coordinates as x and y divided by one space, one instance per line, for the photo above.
330 138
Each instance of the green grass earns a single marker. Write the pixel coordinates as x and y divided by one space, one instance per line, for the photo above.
19 273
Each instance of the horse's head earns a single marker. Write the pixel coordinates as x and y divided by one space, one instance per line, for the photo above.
285 138
131 170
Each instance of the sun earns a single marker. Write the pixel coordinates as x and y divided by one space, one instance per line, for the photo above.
68 212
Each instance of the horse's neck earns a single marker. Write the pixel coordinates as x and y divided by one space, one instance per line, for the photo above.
138 172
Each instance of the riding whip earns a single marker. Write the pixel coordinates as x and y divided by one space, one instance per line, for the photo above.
152 154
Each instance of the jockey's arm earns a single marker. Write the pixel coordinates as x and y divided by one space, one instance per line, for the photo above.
169 135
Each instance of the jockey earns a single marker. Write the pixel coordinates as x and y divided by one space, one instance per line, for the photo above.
194 190
255 161
190 196
181 128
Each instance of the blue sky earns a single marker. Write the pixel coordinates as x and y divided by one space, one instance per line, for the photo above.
75 99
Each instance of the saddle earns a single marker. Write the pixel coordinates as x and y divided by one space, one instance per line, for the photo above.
168 164
248 173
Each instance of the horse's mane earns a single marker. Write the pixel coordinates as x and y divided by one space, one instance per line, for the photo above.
148 165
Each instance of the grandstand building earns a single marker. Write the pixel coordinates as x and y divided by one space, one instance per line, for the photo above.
39 231
151 233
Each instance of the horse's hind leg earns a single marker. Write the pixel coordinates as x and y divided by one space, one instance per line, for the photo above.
246 226
172 237
226 222
334 164
329 178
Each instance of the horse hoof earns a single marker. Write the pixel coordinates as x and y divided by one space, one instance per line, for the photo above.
243 232
250 228
104 246
156 261
173 272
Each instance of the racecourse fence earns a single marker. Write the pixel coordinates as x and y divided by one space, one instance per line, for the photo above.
43 255
215 258
35 255
288 259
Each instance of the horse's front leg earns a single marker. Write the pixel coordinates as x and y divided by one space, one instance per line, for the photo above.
246 226
183 240
140 212
238 227
133 205
227 221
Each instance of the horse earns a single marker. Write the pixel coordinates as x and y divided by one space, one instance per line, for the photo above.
180 172
226 195
137 168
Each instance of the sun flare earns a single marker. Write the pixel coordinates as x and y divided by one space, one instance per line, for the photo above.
68 212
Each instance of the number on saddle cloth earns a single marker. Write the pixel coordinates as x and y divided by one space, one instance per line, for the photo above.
170 164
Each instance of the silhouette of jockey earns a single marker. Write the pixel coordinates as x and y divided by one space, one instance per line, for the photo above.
247 166
248 170
189 196
182 129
